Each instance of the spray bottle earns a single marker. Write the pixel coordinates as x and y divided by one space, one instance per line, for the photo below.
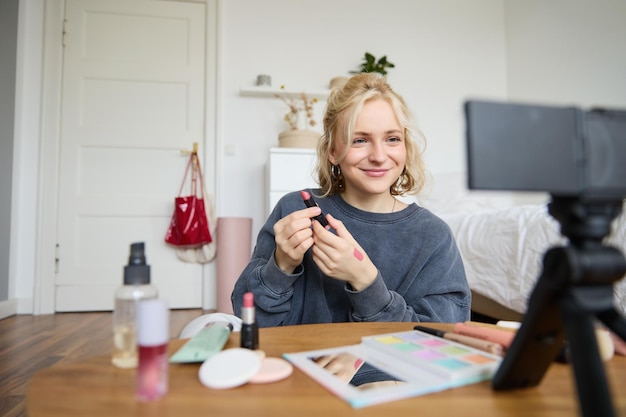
136 287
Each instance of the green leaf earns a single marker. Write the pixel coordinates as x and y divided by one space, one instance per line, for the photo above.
370 64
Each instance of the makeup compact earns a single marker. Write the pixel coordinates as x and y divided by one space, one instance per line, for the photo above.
233 367
272 370
229 368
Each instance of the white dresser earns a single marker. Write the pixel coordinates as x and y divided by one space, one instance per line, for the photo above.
289 169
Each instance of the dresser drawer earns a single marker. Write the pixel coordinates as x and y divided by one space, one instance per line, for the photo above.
289 170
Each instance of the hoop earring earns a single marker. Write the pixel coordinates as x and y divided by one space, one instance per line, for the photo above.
335 174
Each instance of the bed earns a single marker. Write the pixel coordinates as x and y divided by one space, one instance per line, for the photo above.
502 238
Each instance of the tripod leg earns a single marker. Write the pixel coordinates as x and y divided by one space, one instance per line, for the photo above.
540 338
592 386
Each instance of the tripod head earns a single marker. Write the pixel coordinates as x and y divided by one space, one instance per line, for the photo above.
583 220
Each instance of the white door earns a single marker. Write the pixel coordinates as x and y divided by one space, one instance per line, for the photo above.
132 99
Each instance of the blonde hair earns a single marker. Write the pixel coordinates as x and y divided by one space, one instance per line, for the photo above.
343 107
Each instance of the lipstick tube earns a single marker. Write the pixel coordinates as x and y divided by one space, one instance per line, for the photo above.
249 326
310 202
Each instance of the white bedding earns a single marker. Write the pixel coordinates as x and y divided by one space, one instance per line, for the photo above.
502 244
503 249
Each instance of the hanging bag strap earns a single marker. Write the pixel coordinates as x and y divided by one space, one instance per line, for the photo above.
194 164
200 177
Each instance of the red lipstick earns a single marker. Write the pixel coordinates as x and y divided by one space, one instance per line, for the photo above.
249 326
308 200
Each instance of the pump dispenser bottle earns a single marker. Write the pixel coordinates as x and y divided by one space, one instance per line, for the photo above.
136 287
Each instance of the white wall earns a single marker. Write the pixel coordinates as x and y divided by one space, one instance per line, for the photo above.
557 52
567 52
444 51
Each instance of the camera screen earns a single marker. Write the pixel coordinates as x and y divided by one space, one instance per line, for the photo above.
606 150
561 150
524 148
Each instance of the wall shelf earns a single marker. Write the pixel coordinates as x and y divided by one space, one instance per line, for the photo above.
264 91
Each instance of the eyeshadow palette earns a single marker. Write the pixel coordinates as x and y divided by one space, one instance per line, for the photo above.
443 357
393 366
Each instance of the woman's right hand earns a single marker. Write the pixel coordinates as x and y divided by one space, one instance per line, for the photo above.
294 236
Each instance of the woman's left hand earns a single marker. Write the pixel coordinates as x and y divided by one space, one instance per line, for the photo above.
340 256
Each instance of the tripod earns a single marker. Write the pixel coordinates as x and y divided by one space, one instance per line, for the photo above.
575 286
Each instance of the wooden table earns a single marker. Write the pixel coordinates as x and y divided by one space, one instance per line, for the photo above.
95 388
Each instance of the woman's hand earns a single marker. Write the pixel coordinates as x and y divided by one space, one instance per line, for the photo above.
340 256
293 236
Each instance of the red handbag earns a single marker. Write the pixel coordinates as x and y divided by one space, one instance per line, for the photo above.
189 227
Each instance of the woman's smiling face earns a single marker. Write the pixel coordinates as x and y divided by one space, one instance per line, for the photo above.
377 153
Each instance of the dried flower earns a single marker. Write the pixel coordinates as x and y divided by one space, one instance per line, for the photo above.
300 113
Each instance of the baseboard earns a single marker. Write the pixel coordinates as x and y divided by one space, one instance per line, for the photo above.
8 308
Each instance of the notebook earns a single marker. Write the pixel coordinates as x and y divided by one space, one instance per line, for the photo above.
394 366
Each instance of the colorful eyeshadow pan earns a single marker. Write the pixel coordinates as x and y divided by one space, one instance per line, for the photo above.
478 358
389 340
454 350
408 347
428 355
444 358
452 364
434 343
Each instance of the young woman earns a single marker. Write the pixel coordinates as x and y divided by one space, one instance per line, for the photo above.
378 259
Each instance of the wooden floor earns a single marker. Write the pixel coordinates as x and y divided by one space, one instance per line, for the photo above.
30 343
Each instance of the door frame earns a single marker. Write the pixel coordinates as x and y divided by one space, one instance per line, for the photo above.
50 138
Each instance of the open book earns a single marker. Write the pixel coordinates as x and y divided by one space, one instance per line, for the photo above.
393 366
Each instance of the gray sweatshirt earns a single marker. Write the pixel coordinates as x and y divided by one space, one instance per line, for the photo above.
420 272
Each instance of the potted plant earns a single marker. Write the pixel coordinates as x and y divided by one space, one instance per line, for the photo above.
371 64
299 118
